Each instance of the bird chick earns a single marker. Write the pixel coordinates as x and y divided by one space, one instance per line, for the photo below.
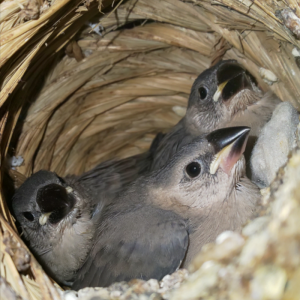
58 216
58 219
161 221
277 139
224 95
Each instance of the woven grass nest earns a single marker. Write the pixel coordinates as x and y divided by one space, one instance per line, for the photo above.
84 81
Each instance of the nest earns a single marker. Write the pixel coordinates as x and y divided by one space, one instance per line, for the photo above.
86 81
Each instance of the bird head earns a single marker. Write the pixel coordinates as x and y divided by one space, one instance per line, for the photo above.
56 216
41 204
219 93
207 170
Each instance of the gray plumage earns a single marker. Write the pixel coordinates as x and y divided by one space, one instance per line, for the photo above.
223 96
58 216
164 218
274 144
58 220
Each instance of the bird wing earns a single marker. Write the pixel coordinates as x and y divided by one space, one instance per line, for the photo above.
111 176
143 243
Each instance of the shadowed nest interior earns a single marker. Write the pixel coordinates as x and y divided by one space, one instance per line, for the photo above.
86 81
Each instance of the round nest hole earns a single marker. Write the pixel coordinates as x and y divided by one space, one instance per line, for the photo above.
87 81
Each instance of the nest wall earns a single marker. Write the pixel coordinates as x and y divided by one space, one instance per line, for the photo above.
75 92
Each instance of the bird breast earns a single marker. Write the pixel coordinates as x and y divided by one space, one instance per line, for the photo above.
229 214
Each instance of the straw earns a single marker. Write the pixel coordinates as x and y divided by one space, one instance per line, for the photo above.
79 86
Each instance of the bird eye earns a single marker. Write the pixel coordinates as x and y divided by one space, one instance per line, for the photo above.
202 92
28 215
193 169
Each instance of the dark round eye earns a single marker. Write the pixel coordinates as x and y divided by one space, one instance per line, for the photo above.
28 215
193 169
202 92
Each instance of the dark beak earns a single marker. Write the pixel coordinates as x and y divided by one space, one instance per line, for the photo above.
54 202
232 78
229 145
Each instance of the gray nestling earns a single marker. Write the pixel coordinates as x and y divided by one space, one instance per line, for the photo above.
161 221
58 216
224 95
58 219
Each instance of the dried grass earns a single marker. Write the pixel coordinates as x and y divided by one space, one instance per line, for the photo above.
75 112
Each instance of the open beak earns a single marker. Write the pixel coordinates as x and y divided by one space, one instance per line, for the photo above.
229 144
53 199
231 78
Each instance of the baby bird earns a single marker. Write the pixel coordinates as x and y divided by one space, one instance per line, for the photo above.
224 95
161 221
58 220
58 216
